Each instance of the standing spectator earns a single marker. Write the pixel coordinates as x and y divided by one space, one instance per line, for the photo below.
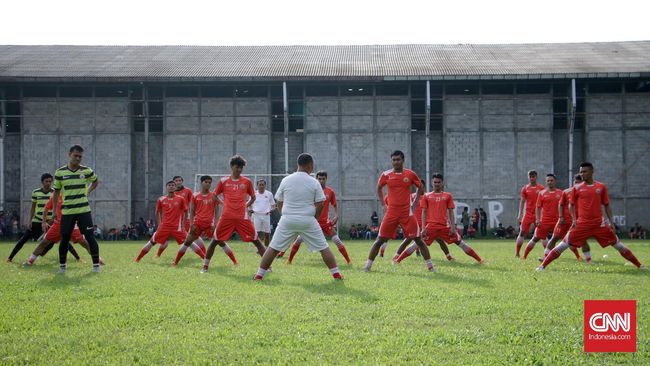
142 227
124 233
465 220
483 221
374 219
477 218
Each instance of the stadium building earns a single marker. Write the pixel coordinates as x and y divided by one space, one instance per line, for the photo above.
481 114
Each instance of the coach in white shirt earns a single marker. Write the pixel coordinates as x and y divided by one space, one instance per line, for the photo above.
262 207
300 198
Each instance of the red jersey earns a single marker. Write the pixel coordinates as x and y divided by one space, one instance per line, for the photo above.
564 201
437 205
417 210
235 193
186 194
549 202
588 200
49 205
330 199
204 206
529 194
173 210
399 187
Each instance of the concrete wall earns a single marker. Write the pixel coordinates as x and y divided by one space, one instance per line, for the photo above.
486 146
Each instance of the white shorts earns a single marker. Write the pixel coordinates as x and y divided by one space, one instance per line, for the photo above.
262 223
290 227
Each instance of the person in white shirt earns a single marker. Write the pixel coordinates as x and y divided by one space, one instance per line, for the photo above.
300 198
262 207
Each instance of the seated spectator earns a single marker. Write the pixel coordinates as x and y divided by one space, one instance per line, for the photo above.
637 231
353 232
124 233
510 232
112 234
97 232
500 231
372 232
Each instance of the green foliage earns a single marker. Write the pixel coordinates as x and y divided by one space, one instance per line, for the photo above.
150 313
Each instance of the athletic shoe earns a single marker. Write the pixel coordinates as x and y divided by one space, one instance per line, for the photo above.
366 269
8 260
258 278
204 269
61 270
96 269
433 270
539 269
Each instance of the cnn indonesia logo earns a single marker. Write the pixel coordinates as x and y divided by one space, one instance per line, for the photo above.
610 326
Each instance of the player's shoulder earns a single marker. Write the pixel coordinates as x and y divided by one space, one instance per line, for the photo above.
448 194
329 189
37 190
61 170
161 198
224 179
387 172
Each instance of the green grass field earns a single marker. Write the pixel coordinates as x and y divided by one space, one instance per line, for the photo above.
150 313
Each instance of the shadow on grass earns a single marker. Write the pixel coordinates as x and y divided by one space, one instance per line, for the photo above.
335 288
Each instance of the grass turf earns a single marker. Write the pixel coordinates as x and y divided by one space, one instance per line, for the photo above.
150 313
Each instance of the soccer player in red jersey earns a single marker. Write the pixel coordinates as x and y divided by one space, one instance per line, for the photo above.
400 209
203 214
170 213
187 195
546 212
589 197
438 214
238 196
529 194
564 223
326 224
417 212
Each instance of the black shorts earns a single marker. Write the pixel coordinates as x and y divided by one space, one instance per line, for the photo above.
83 220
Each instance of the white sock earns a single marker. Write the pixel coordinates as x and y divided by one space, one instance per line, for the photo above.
199 241
620 247
520 240
383 246
206 262
299 240
531 244
429 263
261 271
546 251
587 255
411 249
337 240
562 247
463 246
334 270
147 247
227 249
369 264
32 258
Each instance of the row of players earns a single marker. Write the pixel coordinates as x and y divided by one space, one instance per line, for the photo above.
186 216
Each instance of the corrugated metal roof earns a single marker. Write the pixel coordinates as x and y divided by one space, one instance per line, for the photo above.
377 62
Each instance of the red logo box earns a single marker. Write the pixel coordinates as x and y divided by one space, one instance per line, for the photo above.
610 326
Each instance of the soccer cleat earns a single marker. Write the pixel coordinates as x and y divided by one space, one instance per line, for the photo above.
366 269
8 260
281 254
174 264
643 268
28 264
433 270
136 260
381 253
338 276
539 269
451 258
204 269
258 278
61 270
96 269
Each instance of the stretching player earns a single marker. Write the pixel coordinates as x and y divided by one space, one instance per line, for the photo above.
529 194
589 197
170 214
326 224
203 213
300 199
547 213
400 210
564 224
438 214
34 229
235 190
186 194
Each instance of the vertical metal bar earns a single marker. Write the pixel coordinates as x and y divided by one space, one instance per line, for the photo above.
145 110
572 119
285 108
3 130
427 138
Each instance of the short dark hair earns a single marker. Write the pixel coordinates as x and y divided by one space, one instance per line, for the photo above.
304 159
532 173
577 177
397 153
551 175
238 160
171 181
205 177
45 176
76 148
586 164
437 175
321 173
177 176
261 180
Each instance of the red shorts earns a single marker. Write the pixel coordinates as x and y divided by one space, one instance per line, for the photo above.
244 227
560 230
54 234
525 225
578 236
328 228
542 231
439 232
162 235
187 225
203 229
388 227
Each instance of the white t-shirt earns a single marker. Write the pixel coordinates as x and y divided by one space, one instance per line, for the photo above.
298 192
263 202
